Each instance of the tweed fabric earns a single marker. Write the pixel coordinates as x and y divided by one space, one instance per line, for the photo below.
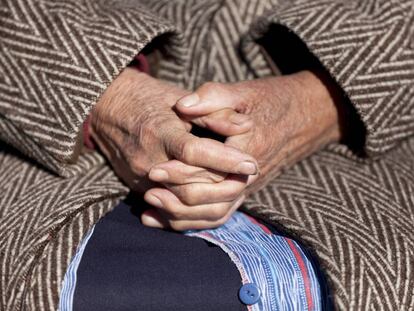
57 57
367 46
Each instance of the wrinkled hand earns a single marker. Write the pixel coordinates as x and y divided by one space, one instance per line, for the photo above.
136 128
293 116
198 206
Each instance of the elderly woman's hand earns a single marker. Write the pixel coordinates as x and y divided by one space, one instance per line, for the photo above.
293 117
136 128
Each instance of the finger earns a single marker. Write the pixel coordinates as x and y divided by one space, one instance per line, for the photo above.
226 122
182 225
208 98
169 204
179 173
203 193
208 153
152 218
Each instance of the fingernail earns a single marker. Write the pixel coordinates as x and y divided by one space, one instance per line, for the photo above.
158 174
150 221
153 200
247 168
239 119
252 178
189 100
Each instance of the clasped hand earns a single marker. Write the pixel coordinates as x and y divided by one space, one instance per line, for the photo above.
142 125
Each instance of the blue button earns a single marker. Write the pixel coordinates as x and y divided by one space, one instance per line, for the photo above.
249 294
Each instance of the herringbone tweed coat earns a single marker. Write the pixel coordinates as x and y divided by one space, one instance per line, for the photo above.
58 56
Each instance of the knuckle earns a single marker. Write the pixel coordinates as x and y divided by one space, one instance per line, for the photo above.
228 127
151 126
212 175
188 194
188 150
176 214
146 130
138 167
174 210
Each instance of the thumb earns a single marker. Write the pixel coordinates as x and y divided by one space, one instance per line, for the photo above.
210 97
226 122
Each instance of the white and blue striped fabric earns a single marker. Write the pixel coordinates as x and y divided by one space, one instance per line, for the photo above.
274 263
69 281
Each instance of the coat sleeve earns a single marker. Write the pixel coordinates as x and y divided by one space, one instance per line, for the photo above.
368 49
56 58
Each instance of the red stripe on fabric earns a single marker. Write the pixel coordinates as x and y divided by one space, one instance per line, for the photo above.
264 228
208 235
304 272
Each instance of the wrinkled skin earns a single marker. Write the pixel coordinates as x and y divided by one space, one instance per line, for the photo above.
136 128
293 116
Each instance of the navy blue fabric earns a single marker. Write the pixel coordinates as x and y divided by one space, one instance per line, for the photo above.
127 266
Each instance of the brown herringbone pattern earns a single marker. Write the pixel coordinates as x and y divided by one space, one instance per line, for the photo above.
57 58
367 47
37 210
356 216
361 218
